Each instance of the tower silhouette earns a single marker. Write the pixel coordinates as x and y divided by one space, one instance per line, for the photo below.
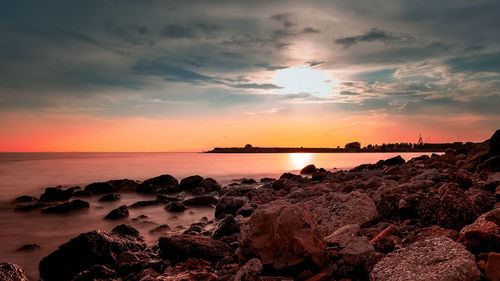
420 140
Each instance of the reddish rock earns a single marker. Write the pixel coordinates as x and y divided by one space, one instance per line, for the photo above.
282 235
343 235
438 259
334 210
249 271
493 267
12 272
425 233
483 235
319 277
308 170
182 247
455 208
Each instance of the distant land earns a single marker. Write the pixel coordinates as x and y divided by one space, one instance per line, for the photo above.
353 147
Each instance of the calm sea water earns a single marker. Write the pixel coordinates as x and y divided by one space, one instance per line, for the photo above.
30 173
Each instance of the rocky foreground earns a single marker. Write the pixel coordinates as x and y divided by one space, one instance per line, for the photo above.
431 218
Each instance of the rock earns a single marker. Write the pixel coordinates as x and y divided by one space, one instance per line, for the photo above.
495 144
203 200
455 208
24 199
30 207
493 267
426 233
308 170
67 207
118 213
267 179
82 193
191 182
100 188
28 247
358 252
12 272
96 272
182 247
248 181
245 211
439 259
92 248
384 241
343 235
161 184
398 160
160 229
249 271
230 205
56 194
210 185
226 227
166 199
175 207
282 236
124 185
110 197
334 210
483 235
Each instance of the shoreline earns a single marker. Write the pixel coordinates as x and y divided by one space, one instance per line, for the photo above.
377 221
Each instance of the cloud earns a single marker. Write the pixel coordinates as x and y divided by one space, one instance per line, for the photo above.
310 30
283 18
375 35
477 63
256 86
169 72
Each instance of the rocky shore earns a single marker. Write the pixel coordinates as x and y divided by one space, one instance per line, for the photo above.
430 218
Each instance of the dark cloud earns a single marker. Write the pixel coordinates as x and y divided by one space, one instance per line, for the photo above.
310 30
375 35
256 86
283 18
474 48
169 72
267 66
477 63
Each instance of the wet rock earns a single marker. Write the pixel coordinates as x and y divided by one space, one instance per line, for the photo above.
343 235
182 247
249 271
493 267
175 207
12 272
236 190
110 197
160 229
124 185
397 160
96 272
267 179
89 249
203 200
334 210
227 226
483 235
25 198
67 207
99 188
358 252
230 205
308 170
166 199
161 184
433 259
248 181
28 247
118 213
56 194
282 236
210 185
191 182
144 203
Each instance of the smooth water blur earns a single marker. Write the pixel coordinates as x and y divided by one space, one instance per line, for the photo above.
30 173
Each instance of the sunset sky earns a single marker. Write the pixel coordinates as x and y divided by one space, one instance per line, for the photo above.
190 75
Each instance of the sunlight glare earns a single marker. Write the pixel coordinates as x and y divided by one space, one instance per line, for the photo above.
303 79
299 160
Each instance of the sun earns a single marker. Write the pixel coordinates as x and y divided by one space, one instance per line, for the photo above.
299 160
303 79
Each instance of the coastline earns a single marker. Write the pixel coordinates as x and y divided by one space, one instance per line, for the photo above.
377 221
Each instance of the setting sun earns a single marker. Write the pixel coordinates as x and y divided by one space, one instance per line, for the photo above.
303 79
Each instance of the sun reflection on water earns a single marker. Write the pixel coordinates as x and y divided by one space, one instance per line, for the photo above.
299 160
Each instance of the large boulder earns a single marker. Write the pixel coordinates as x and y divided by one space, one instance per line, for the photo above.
210 185
397 160
202 200
439 259
230 205
92 248
99 188
56 194
191 182
308 170
282 236
118 213
483 235
455 209
12 272
182 247
161 184
124 185
226 227
67 207
334 210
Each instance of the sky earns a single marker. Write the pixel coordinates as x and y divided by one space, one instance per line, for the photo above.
123 75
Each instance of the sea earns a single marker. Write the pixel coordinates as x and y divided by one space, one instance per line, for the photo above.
31 173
